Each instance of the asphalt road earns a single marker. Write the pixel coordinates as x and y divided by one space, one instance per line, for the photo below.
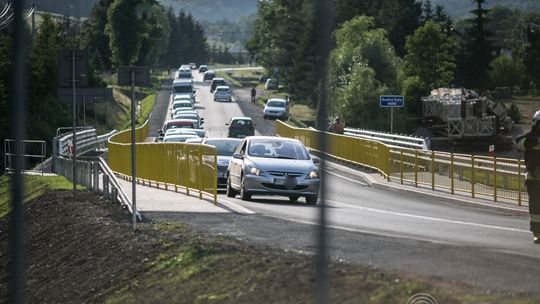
391 230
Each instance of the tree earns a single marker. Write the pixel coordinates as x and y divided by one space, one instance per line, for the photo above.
476 50
429 56
506 72
532 55
155 39
125 31
362 66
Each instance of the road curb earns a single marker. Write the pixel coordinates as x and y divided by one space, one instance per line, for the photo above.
390 186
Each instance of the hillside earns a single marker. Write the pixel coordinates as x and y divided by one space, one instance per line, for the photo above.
77 8
460 8
214 10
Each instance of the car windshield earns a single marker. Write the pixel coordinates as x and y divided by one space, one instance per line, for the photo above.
276 148
240 123
178 138
182 89
224 147
182 105
222 90
276 104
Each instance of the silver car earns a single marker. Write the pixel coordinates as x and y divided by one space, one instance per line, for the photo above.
225 149
267 165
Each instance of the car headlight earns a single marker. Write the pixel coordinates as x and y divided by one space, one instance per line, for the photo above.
313 174
255 171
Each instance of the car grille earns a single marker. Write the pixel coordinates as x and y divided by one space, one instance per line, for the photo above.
282 187
222 168
277 173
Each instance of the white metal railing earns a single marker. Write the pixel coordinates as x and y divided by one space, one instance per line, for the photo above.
39 146
392 140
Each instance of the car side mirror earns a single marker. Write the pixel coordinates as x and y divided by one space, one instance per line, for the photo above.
227 124
316 160
238 156
202 119
160 132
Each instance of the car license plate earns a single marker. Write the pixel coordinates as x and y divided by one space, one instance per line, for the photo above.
279 181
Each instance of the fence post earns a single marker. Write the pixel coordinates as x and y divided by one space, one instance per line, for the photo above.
452 172
96 177
472 175
389 162
106 186
215 176
519 182
416 168
114 194
432 170
401 166
199 169
495 178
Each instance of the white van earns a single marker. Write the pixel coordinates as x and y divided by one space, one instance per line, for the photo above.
183 86
184 73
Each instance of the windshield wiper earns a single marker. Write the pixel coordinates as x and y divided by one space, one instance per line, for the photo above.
286 157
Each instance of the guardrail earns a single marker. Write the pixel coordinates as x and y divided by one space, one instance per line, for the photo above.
89 172
178 165
391 139
87 140
478 176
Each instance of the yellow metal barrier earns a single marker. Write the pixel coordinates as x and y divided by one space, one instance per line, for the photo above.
367 153
477 176
189 166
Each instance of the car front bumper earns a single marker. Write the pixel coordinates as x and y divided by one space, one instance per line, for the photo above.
276 185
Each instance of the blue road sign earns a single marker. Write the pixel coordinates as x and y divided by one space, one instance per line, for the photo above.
391 101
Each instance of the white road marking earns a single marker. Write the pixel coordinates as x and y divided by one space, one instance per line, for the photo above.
346 178
426 218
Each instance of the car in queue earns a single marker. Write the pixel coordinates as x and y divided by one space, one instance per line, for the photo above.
175 124
199 132
194 140
225 149
217 81
193 65
181 104
271 165
223 93
185 73
240 127
203 68
183 86
182 97
209 75
271 84
189 115
178 138
276 108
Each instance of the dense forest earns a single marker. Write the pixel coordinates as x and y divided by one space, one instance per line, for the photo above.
461 8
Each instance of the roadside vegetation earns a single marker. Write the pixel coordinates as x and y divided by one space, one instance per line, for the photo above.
421 49
34 186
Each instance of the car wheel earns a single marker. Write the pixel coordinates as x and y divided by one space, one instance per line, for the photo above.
293 198
230 191
311 200
243 194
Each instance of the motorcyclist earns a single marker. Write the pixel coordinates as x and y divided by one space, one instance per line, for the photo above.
529 144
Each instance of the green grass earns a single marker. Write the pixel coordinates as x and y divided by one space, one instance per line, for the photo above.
195 269
147 104
229 79
303 112
34 186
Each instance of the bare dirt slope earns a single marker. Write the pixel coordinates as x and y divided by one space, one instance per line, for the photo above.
82 249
